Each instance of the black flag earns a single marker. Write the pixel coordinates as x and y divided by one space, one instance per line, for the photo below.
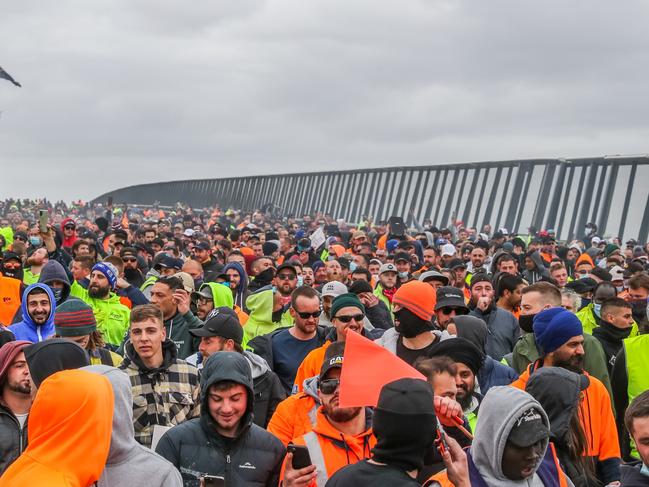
7 76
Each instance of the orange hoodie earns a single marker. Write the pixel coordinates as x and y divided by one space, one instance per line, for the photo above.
584 258
338 449
69 431
310 366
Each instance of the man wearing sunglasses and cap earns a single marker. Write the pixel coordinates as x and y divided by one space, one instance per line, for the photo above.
334 425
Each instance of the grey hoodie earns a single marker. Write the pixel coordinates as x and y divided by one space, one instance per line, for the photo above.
130 463
390 338
500 409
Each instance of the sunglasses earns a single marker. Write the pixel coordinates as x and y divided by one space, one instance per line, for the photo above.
69 227
21 239
129 259
286 277
347 318
329 386
447 310
306 316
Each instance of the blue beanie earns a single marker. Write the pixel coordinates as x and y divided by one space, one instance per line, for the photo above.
390 245
108 270
554 327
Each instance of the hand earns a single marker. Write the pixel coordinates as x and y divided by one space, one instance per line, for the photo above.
369 300
483 303
122 283
456 463
181 297
446 410
297 478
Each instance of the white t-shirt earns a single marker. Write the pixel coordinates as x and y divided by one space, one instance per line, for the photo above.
21 419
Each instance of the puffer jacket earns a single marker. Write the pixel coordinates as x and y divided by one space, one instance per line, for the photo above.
252 458
494 373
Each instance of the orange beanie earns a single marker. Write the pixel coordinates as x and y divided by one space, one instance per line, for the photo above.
418 297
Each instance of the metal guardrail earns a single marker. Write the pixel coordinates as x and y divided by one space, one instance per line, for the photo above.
545 193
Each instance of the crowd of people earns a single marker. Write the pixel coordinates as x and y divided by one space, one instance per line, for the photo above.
206 347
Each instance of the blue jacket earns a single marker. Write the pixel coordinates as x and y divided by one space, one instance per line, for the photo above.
26 329
494 373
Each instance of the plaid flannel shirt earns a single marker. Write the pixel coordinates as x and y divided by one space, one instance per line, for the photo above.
166 397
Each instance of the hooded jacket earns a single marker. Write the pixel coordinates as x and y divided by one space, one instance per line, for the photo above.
260 321
251 459
222 296
54 271
166 396
178 328
69 433
27 329
390 338
112 316
68 241
503 330
539 272
631 476
130 463
241 292
499 411
296 415
10 296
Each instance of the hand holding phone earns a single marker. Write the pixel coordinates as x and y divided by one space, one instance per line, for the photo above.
43 217
298 470
213 481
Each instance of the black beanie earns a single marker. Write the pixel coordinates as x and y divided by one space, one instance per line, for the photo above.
404 424
460 350
53 355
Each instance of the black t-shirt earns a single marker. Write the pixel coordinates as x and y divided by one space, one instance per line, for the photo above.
410 356
365 473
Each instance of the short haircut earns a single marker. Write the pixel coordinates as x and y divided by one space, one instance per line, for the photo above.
305 292
435 365
556 266
86 261
172 282
224 244
508 282
37 290
550 293
225 385
506 257
573 296
144 312
615 303
639 281
255 263
78 243
116 261
602 285
364 271
639 408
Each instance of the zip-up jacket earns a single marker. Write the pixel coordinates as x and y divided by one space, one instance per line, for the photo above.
598 422
13 438
252 458
296 415
112 316
178 328
26 329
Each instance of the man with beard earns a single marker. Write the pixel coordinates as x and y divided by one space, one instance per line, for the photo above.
560 338
37 308
340 437
15 401
285 281
111 315
468 361
387 285
413 335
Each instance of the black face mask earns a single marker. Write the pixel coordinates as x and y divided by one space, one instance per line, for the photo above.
526 322
639 310
13 273
410 325
266 276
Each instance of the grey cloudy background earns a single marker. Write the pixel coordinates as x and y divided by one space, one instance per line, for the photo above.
119 92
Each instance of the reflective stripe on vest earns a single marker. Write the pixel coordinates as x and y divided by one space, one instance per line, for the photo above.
317 458
312 414
636 350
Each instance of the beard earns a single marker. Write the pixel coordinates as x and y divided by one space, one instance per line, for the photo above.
20 387
573 364
340 415
465 399
97 291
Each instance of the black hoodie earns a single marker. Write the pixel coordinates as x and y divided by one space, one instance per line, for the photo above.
252 458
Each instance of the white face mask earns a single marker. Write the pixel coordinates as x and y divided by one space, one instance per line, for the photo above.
403 274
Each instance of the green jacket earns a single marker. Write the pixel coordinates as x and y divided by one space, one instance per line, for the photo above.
29 277
221 295
589 321
178 328
113 318
525 352
260 321
378 292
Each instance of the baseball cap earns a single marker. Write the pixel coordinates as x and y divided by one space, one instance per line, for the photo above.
449 296
528 429
448 249
202 245
187 280
128 252
387 268
334 289
205 291
189 232
333 358
433 276
358 234
581 286
617 273
221 322
402 256
169 262
456 264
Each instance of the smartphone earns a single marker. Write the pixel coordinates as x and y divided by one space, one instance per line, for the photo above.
301 457
440 442
43 218
213 481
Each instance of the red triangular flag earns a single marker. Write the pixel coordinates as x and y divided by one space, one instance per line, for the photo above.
367 367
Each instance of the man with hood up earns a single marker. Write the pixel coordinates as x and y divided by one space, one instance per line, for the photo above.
224 441
130 463
535 269
69 433
238 282
266 314
38 307
511 444
213 295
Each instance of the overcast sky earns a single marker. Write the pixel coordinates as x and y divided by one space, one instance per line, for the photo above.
120 92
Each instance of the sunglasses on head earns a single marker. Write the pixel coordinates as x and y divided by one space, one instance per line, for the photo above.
329 386
306 316
286 277
347 318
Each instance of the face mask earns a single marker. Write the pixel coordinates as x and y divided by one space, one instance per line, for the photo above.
597 309
583 276
266 275
619 289
403 275
300 281
35 241
353 266
639 310
13 273
58 294
526 323
410 325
